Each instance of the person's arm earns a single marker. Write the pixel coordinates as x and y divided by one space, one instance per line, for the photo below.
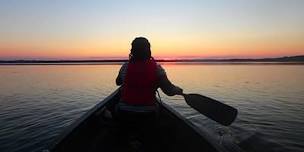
121 75
118 80
166 86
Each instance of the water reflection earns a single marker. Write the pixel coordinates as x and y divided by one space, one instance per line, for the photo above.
38 101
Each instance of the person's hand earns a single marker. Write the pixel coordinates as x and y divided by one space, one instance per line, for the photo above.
179 91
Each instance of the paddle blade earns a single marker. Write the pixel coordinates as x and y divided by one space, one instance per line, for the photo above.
215 110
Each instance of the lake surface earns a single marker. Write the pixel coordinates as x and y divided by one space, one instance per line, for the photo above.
37 102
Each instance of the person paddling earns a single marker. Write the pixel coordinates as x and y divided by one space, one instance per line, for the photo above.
137 109
141 76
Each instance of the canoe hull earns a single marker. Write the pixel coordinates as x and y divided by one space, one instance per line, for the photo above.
93 132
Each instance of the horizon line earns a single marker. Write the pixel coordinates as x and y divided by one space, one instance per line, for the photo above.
155 57
121 59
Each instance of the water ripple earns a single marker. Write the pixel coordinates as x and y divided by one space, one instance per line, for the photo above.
38 102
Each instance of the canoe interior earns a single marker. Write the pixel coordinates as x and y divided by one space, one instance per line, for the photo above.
93 132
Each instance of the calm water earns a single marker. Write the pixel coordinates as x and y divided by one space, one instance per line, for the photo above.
38 101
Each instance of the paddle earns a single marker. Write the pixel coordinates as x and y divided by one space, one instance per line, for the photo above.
215 110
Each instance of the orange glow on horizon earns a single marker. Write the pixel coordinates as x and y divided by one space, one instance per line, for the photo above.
160 54
187 47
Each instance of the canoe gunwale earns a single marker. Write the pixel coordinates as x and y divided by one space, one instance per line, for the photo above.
97 109
202 133
78 123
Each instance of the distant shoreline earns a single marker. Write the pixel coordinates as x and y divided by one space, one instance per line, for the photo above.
281 60
166 63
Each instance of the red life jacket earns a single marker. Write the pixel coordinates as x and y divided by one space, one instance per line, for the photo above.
140 83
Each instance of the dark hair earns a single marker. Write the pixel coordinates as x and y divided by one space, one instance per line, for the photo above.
140 49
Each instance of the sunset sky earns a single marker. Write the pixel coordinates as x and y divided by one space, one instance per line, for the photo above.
88 29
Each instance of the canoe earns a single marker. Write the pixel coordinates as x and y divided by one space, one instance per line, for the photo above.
95 132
